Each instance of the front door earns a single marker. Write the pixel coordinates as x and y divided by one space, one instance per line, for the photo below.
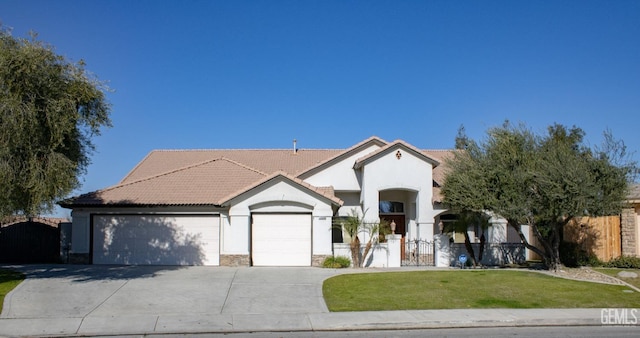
401 228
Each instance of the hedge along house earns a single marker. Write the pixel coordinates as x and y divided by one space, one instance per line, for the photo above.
255 207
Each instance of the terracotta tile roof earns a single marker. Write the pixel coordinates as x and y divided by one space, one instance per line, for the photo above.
439 172
211 177
265 160
204 183
51 221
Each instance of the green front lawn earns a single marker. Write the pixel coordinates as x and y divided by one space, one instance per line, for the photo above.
473 289
614 272
9 279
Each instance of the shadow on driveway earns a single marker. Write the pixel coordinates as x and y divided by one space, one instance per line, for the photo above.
87 273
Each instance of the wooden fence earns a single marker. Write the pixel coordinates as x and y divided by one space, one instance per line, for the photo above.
597 235
30 241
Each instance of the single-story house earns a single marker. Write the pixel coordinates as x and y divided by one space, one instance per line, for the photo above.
257 207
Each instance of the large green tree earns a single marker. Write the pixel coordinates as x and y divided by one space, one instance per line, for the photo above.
542 181
50 108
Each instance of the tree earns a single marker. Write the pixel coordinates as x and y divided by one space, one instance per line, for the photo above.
540 181
50 109
353 225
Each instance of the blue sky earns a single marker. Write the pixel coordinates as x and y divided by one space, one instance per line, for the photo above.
257 74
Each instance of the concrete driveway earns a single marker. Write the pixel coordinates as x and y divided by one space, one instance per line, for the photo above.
68 291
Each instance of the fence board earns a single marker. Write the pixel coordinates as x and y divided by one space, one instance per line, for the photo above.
597 235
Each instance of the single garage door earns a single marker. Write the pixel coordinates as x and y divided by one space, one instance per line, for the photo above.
281 240
156 240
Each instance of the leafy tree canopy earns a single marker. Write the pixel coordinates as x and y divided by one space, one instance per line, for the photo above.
50 109
542 181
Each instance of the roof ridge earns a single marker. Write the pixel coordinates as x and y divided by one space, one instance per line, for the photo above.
243 166
355 146
148 178
136 167
246 149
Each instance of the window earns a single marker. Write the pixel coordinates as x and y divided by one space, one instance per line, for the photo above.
387 207
336 230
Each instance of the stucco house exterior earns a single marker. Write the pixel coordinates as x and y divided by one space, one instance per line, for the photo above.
257 207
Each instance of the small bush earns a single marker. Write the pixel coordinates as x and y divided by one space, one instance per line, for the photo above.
572 255
336 262
624 262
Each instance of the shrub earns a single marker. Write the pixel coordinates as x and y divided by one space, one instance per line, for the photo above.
573 255
336 262
624 262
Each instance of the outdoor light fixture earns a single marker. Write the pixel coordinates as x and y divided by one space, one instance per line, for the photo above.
393 227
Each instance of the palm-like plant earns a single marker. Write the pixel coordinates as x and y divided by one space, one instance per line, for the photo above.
354 225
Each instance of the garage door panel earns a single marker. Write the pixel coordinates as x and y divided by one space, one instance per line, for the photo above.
156 240
281 240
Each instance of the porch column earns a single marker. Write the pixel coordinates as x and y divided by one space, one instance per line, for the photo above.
443 251
393 250
497 232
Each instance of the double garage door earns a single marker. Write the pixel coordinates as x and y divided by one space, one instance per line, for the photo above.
156 240
276 239
281 240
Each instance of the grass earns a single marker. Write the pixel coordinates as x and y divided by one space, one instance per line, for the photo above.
614 272
419 290
9 279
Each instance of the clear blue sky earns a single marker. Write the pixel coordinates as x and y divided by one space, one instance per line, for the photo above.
257 74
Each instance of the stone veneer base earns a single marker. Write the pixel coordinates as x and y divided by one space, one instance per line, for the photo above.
317 260
234 260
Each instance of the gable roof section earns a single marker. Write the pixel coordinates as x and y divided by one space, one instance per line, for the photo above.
395 144
204 183
374 140
213 177
265 160
324 192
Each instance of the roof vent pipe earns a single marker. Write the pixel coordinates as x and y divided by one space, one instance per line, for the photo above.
295 148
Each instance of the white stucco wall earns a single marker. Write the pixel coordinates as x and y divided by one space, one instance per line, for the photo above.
351 201
408 173
80 232
341 174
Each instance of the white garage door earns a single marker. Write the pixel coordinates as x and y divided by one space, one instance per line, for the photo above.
281 240
156 240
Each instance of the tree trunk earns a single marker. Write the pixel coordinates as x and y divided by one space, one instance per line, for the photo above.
516 226
549 256
467 244
482 243
366 252
355 251
555 246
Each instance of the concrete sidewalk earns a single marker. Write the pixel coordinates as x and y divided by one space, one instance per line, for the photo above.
124 300
218 323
